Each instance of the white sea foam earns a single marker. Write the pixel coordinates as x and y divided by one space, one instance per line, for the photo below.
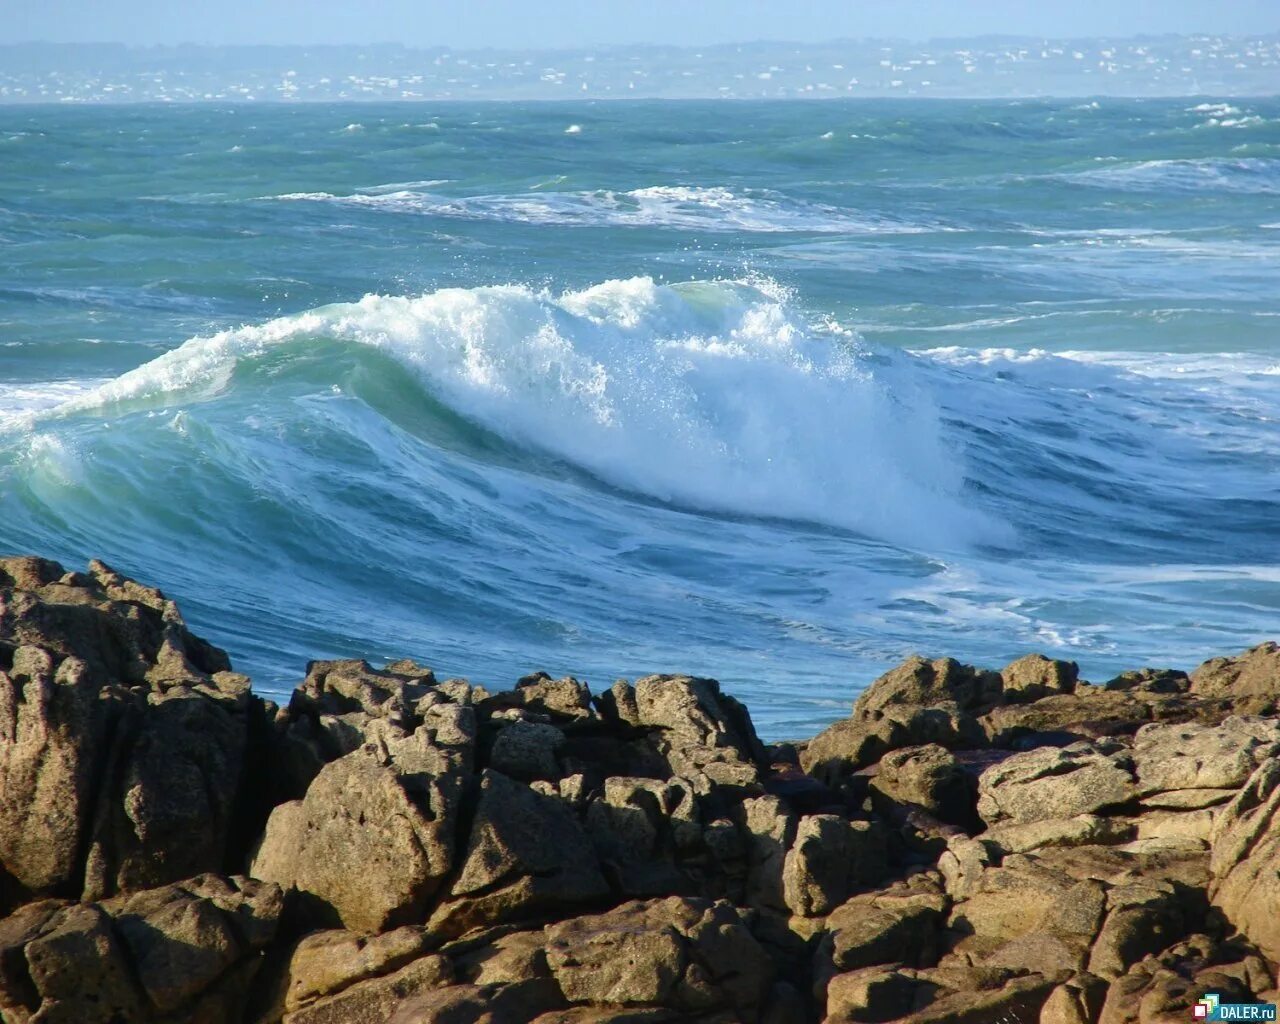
709 394
1260 175
670 206
21 403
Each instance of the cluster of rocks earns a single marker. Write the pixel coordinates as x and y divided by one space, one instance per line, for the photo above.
390 847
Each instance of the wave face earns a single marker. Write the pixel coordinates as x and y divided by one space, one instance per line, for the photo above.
775 394
708 395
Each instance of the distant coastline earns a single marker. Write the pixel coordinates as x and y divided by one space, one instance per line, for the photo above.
980 68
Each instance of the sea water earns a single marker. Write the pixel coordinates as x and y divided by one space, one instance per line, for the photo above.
775 392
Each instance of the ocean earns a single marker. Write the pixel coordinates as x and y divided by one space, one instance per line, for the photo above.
777 392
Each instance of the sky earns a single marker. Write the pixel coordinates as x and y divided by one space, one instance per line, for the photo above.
520 24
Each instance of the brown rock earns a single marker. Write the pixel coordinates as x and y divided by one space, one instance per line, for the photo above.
831 858
527 856
896 925
373 838
1054 782
1035 676
1251 680
928 777
701 731
1245 860
122 736
527 750
870 994
182 954
685 954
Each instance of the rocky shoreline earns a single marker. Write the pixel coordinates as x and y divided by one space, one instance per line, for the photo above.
967 846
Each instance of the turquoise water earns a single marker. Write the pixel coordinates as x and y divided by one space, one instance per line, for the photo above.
776 392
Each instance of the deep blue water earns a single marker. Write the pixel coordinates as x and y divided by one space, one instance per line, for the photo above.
776 392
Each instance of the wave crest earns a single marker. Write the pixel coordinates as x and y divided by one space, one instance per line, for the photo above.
713 395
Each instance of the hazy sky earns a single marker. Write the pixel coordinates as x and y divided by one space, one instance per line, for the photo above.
569 23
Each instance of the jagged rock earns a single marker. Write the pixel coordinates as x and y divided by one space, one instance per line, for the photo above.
122 736
472 1004
1165 986
1029 914
919 702
53 736
831 858
897 925
683 954
974 998
342 705
770 829
336 977
701 731
1085 713
595 1015
1193 756
928 777
854 743
920 683
180 770
564 699
1142 917
936 996
375 834
1055 782
641 829
1080 830
527 856
1245 860
1250 680
1151 680
527 750
68 966
1076 1001
1035 676
182 953
869 994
